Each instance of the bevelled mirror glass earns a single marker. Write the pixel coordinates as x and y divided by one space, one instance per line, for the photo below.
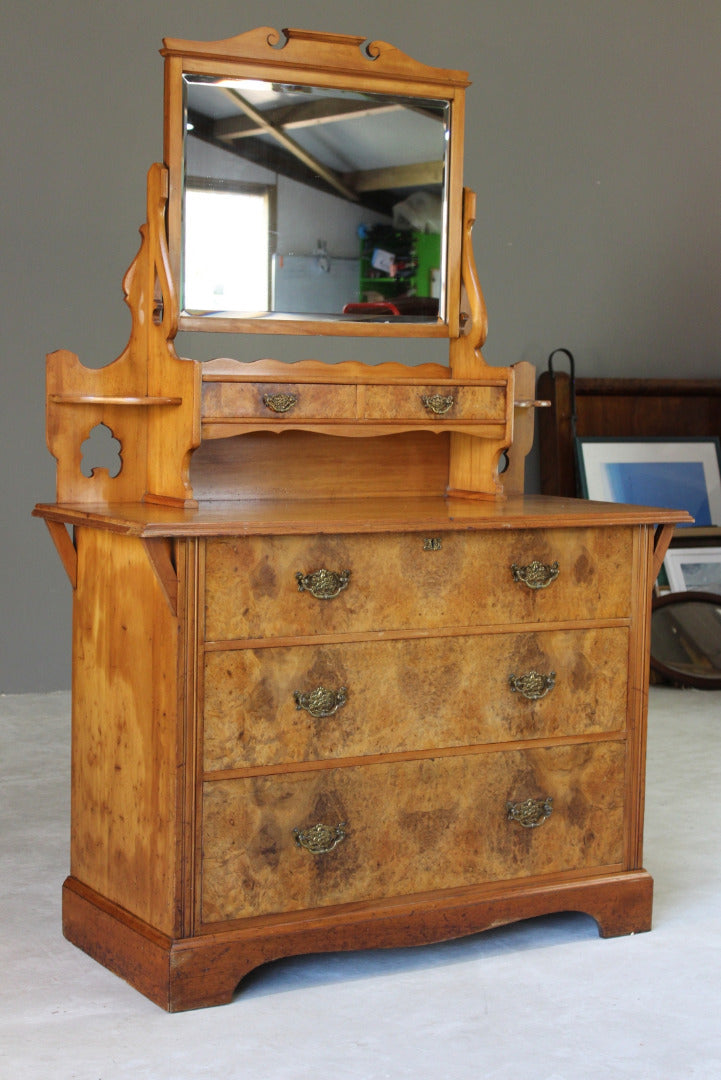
313 179
311 201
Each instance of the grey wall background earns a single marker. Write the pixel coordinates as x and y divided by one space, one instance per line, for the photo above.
593 140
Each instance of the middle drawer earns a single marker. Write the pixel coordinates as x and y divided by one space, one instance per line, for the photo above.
312 702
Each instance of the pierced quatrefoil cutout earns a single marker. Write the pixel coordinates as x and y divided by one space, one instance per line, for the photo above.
101 450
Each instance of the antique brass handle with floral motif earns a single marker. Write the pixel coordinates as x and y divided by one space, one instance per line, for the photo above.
438 403
536 575
531 812
323 584
532 685
280 403
320 839
321 702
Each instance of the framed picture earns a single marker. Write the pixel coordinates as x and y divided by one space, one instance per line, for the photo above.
681 474
694 568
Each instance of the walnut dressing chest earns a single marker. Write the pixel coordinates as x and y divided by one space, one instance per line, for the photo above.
337 682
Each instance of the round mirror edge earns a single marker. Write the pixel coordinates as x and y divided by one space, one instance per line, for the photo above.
682 678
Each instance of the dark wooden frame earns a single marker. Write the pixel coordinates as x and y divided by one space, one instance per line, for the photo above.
616 407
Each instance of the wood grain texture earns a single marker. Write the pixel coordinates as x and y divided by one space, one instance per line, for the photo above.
125 754
410 695
252 590
148 398
205 971
470 402
227 370
297 465
412 826
316 401
377 513
65 547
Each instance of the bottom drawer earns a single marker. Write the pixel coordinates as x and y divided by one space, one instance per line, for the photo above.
406 827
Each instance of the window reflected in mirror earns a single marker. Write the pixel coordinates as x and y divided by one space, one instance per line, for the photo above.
221 220
303 200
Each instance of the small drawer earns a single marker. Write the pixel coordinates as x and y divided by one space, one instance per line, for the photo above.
267 706
435 403
278 401
272 586
332 836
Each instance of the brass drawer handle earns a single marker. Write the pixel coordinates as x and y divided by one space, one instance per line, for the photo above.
323 584
321 701
280 403
536 575
533 685
438 403
320 839
531 812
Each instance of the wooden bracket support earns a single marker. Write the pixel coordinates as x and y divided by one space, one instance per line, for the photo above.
662 539
65 546
160 553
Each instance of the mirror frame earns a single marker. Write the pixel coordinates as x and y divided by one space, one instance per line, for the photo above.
335 61
667 671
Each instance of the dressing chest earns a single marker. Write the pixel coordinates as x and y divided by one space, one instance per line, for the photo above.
337 682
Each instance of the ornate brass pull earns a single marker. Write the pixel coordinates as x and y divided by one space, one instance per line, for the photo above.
532 685
531 812
321 701
323 584
320 839
536 575
438 403
280 403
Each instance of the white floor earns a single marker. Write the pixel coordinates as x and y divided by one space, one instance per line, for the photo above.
542 1000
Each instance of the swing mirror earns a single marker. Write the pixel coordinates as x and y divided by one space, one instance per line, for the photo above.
313 179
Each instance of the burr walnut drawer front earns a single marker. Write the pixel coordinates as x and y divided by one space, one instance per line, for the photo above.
434 402
280 843
273 586
266 706
279 401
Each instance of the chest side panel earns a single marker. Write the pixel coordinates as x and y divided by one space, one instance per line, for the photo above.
126 782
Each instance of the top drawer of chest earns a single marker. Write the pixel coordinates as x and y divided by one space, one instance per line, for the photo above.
272 586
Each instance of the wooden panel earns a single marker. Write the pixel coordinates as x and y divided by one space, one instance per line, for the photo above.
332 512
246 400
618 407
411 827
404 402
252 590
410 695
125 757
294 465
148 398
